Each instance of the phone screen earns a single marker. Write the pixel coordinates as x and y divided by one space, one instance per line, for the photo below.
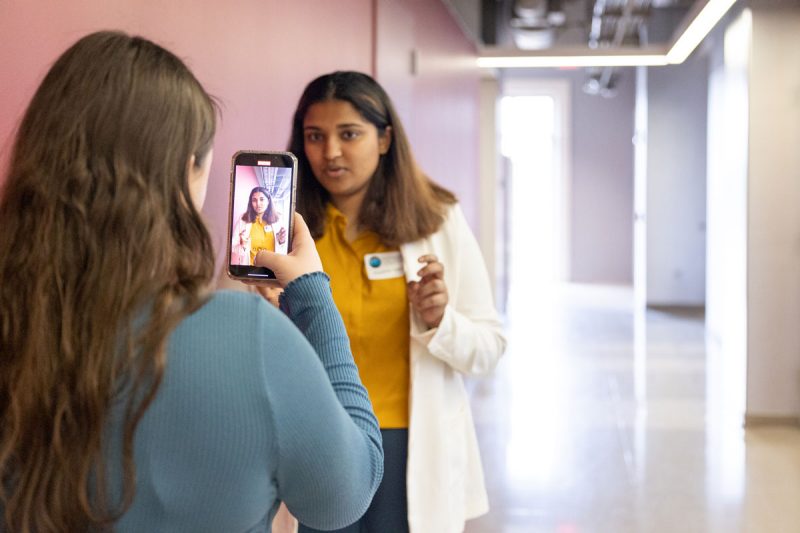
261 208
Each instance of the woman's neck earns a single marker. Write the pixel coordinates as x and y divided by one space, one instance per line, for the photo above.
350 207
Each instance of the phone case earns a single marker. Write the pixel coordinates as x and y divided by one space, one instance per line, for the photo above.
259 176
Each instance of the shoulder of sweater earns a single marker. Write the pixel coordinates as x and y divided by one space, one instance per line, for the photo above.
235 306
236 297
238 320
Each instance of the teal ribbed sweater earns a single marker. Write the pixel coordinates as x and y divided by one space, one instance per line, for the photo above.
251 411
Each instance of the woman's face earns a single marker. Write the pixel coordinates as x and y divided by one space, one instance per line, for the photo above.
259 202
342 148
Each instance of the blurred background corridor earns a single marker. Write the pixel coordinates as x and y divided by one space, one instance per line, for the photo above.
605 418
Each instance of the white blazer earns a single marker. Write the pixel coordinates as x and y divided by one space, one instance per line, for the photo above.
445 478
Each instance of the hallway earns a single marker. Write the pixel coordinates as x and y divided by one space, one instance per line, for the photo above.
603 420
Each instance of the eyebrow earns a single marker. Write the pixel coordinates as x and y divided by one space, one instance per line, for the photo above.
338 126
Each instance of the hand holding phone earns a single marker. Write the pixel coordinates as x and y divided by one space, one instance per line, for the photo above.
303 259
261 207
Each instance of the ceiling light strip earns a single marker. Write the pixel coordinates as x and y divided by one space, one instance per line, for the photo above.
607 60
697 30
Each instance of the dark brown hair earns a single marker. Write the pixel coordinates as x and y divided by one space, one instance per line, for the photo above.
401 204
102 253
269 216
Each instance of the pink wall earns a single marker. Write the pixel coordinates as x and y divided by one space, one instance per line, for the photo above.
256 58
257 55
439 102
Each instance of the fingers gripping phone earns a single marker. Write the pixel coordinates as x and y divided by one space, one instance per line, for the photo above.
261 209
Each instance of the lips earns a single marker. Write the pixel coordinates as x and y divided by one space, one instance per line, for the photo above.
335 172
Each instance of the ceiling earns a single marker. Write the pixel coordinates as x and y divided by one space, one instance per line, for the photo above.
573 27
541 25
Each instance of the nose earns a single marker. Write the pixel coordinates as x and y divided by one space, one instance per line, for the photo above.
333 148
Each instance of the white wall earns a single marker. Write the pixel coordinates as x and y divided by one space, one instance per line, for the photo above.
676 183
773 254
601 178
753 312
640 147
489 178
726 266
602 183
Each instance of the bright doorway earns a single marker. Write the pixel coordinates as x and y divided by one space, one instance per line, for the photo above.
534 142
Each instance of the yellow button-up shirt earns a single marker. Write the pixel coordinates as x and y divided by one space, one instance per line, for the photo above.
375 313
261 238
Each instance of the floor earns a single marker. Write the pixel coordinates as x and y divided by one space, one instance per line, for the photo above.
600 419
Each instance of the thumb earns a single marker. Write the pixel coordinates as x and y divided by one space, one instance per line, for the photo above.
270 260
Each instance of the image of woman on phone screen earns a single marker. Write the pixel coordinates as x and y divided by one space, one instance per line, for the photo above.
257 229
409 279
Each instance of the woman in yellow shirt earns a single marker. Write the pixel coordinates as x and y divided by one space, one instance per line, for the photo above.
409 280
257 229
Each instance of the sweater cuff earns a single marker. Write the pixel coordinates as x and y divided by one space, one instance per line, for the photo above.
304 291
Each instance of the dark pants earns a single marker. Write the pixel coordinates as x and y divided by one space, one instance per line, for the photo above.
388 512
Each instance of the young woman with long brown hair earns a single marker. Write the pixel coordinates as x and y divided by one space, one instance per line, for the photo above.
409 280
132 397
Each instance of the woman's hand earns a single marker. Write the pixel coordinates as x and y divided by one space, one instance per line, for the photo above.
270 293
428 296
281 235
303 258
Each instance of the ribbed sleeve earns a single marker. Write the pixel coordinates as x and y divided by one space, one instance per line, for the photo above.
309 304
330 467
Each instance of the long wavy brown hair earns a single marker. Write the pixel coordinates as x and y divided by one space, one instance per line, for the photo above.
102 253
402 204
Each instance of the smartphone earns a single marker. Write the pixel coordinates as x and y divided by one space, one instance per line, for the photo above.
261 209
